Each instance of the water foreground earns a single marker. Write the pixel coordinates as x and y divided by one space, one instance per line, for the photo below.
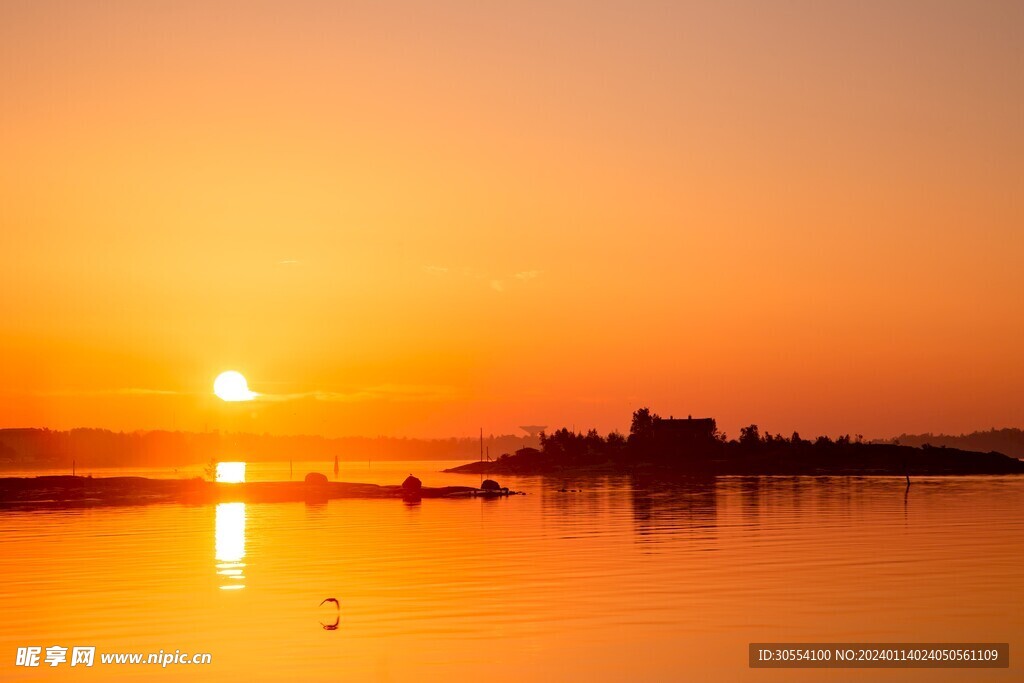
623 581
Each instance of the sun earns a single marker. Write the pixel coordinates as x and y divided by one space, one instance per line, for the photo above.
231 386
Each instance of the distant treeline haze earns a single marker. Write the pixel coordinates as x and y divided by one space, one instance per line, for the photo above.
44 448
1006 441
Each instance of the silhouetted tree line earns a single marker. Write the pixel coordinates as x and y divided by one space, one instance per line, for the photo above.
643 444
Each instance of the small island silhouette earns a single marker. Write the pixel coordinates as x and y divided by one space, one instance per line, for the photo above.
657 444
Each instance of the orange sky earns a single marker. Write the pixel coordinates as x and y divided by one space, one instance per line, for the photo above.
419 218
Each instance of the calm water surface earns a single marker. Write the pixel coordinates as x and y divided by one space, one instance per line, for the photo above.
621 581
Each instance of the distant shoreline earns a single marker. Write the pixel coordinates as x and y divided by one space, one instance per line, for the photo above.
31 448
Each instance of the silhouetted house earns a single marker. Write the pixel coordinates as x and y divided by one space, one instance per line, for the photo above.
674 438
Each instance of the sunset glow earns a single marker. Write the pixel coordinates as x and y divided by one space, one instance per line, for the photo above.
520 212
551 340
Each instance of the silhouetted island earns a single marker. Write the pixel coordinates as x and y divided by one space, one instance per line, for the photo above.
695 445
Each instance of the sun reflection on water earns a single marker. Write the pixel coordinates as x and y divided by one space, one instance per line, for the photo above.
229 544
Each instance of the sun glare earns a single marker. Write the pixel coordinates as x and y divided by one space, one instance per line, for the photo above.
231 386
231 472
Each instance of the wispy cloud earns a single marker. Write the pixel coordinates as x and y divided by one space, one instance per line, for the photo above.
130 391
149 392
382 392
287 262
498 282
